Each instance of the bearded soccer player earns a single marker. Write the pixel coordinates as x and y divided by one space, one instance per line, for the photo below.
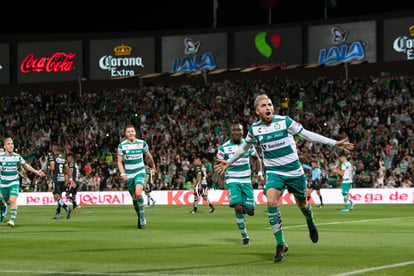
131 154
275 134
238 179
9 179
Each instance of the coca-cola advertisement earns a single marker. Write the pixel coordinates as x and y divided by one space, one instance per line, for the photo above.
49 61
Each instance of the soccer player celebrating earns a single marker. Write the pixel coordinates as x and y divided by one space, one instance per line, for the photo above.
131 154
275 134
238 179
9 178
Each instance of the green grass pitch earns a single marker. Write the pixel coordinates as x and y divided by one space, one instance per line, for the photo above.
104 240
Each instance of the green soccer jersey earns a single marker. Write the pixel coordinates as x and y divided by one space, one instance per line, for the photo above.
133 154
279 147
347 168
238 171
8 172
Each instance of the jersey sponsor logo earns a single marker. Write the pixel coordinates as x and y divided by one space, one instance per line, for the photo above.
132 156
272 146
9 169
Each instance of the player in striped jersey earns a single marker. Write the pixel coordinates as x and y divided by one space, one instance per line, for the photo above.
131 155
275 134
238 180
9 178
346 173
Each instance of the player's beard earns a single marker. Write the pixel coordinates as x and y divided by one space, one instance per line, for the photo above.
267 117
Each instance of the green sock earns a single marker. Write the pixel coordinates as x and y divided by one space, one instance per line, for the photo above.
135 203
275 221
141 206
241 224
307 212
13 214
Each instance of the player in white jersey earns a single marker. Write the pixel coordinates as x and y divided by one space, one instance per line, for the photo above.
275 134
346 173
9 178
238 179
132 153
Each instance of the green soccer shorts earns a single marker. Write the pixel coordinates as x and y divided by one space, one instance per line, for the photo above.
295 184
240 193
12 190
131 183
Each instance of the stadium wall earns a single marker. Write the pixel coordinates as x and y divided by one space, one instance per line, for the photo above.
220 197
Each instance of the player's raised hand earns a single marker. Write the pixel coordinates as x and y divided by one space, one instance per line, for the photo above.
344 145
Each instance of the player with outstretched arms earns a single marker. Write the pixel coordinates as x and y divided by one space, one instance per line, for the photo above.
275 135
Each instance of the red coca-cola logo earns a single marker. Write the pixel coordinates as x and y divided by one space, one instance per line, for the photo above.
58 62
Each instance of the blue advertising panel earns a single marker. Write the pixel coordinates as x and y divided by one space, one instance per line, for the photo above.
344 42
196 52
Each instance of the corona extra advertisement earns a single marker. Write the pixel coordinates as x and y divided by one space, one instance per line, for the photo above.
4 63
120 58
342 43
194 52
49 61
399 39
276 48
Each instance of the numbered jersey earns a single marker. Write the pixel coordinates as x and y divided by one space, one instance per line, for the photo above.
201 169
347 168
58 174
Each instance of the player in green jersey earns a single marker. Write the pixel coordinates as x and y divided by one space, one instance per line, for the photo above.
9 178
275 135
346 173
238 179
131 155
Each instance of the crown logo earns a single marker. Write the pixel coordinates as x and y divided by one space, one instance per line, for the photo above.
411 30
122 50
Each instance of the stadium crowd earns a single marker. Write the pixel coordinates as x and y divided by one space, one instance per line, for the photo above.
182 122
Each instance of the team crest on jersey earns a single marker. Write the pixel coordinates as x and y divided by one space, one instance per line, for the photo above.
276 125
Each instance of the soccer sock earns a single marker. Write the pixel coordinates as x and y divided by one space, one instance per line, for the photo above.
195 204
61 203
148 200
1 204
346 201
136 207
275 221
13 214
241 224
320 197
73 199
141 206
307 212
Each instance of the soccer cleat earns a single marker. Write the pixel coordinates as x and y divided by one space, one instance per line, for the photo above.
212 209
345 209
246 241
141 222
320 206
193 211
280 250
68 212
57 216
10 223
313 232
